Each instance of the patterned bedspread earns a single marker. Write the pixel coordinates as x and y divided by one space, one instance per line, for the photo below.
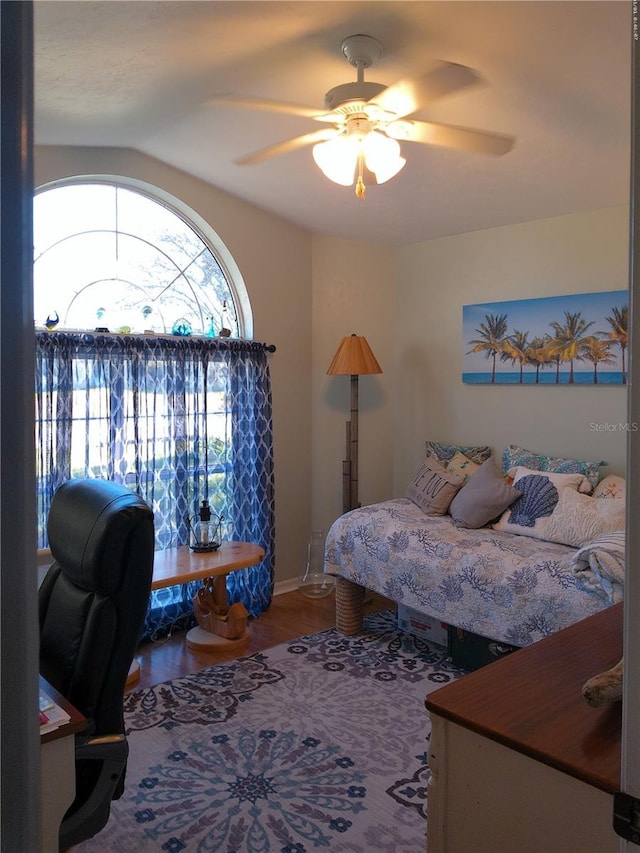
507 587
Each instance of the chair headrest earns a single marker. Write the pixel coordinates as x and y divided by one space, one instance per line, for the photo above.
89 526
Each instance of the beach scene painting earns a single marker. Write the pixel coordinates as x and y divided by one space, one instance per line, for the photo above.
580 339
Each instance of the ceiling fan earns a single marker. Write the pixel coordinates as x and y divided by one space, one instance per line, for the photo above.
369 119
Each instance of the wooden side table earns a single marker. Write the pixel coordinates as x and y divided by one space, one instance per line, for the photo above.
175 566
182 565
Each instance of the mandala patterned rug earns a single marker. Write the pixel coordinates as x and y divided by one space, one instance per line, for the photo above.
318 743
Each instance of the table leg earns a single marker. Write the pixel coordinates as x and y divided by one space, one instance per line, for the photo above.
219 585
134 674
199 638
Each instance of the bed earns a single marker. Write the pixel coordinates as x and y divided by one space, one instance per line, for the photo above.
552 554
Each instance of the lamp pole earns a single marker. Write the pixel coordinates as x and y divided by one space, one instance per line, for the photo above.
353 445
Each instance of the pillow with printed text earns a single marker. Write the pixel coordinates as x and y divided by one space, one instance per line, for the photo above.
433 487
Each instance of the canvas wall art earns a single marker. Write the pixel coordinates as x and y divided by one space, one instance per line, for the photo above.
580 339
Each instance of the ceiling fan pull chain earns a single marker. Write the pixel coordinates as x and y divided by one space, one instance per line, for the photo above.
360 187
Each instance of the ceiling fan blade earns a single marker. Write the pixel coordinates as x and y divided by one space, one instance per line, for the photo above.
450 136
412 94
271 106
286 146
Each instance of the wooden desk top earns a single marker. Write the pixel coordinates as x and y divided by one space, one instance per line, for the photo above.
181 565
77 723
531 701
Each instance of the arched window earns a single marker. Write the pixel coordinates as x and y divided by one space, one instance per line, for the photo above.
145 374
113 257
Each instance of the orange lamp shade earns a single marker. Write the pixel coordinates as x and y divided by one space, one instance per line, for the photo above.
354 357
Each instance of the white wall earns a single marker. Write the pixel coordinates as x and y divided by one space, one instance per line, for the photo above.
274 258
577 253
353 292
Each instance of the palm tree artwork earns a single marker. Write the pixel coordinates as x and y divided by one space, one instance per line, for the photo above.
515 349
618 334
571 337
597 352
523 337
539 354
492 334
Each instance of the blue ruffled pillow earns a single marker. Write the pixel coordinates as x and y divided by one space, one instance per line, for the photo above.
514 456
445 452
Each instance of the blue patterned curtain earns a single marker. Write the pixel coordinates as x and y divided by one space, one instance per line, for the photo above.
175 419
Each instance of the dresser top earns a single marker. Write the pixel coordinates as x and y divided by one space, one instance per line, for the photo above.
531 701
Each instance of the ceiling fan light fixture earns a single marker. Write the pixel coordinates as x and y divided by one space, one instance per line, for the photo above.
337 158
382 156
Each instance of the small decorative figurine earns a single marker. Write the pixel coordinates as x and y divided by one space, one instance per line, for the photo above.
181 328
52 321
605 687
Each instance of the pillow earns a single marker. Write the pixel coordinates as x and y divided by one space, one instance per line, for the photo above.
433 487
585 485
514 456
611 486
461 464
579 519
445 452
483 498
529 514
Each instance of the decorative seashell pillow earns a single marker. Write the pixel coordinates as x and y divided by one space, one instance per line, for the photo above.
579 519
529 515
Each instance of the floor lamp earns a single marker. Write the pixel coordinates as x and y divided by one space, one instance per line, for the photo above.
353 358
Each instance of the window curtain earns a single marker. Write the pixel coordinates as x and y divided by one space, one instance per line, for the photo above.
177 420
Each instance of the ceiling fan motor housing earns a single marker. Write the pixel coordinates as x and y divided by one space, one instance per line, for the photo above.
350 92
362 50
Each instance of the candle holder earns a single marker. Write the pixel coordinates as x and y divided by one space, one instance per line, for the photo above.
205 529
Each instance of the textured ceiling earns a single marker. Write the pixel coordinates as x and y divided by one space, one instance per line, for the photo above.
556 76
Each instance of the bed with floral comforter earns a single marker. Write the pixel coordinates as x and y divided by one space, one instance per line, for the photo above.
510 588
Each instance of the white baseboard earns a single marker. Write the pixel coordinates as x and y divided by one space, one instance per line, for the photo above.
289 585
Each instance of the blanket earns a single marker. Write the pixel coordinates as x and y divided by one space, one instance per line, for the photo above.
512 589
599 566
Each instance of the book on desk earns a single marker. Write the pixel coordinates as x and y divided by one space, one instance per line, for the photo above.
52 716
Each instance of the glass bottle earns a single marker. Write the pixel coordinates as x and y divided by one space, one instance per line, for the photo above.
225 322
314 583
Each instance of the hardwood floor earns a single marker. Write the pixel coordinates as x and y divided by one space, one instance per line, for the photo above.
290 615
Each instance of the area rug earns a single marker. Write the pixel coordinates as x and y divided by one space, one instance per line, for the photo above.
317 743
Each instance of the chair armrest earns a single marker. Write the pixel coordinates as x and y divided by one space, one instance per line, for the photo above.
103 748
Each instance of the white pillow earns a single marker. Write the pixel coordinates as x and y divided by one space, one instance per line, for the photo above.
584 486
579 519
529 514
611 486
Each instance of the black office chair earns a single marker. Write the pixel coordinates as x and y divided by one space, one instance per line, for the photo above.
92 605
